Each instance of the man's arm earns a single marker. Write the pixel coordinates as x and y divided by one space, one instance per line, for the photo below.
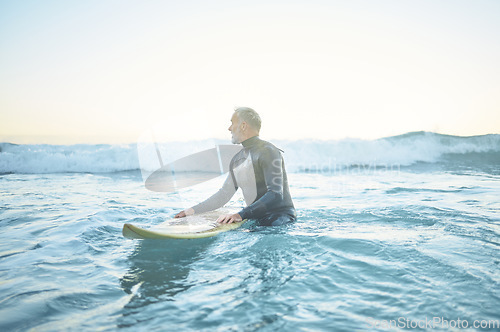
215 201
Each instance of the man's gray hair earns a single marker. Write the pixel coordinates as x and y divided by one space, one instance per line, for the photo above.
249 116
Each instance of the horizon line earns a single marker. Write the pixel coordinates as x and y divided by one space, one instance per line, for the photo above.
112 140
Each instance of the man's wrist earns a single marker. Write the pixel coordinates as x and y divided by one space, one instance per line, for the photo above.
242 214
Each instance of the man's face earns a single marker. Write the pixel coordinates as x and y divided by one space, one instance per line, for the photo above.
235 129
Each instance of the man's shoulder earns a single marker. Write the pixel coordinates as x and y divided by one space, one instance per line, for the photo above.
270 146
268 152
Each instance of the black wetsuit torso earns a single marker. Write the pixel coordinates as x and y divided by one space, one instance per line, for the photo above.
259 170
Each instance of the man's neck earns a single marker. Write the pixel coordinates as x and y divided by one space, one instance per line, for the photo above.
249 140
249 135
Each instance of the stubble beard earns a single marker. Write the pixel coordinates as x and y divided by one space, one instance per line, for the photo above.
234 138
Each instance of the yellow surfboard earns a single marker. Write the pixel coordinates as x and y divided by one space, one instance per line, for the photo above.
191 227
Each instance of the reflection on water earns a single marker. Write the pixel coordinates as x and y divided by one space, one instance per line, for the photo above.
158 271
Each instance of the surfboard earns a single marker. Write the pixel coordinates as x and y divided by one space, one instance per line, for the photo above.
192 227
193 169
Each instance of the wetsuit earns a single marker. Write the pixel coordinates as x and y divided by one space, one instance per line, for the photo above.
259 170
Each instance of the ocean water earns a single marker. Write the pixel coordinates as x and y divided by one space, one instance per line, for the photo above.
396 233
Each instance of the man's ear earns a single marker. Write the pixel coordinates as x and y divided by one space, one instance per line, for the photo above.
243 125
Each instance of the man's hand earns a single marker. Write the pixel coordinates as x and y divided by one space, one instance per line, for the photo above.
185 213
229 218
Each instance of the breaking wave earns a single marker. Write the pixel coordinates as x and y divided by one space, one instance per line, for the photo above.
300 155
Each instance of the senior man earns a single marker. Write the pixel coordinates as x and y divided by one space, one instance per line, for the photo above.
259 170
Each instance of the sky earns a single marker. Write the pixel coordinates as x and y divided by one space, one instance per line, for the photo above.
108 71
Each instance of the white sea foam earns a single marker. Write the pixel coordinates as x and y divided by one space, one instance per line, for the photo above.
301 155
403 150
71 158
